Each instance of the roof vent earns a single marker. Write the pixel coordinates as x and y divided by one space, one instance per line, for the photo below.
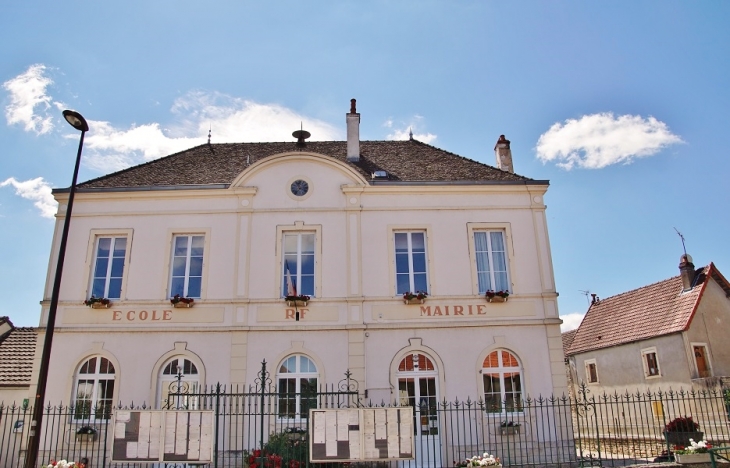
301 135
379 175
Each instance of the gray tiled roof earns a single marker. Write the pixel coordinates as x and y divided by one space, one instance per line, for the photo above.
17 348
405 161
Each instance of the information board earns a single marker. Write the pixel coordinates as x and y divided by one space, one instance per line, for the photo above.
162 436
361 434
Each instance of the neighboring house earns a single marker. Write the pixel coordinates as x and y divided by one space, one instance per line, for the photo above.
353 224
17 352
668 335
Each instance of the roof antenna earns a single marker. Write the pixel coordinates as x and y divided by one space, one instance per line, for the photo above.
410 133
681 237
209 129
586 293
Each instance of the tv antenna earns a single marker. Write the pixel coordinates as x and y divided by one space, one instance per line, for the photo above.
681 237
586 293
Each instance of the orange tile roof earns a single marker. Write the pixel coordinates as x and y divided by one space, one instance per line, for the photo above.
568 339
17 349
647 312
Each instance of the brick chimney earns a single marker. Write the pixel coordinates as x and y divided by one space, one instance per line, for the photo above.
686 271
353 133
503 154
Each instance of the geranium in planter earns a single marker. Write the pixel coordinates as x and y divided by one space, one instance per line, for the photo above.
97 302
418 297
679 431
696 452
181 302
86 434
299 300
484 459
497 296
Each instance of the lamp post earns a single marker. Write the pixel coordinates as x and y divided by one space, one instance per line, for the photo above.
78 122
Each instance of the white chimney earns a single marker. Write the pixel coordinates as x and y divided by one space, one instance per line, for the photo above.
503 154
353 133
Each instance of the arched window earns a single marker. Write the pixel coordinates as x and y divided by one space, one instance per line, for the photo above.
178 379
94 389
502 376
297 386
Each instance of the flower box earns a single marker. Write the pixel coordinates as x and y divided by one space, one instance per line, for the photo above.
688 458
496 296
85 438
297 303
101 305
414 301
182 305
497 299
98 302
509 430
180 302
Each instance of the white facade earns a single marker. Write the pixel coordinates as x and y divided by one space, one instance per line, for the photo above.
356 318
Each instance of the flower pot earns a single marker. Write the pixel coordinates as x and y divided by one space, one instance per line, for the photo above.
85 438
99 305
509 430
497 299
687 458
682 438
297 303
182 305
414 301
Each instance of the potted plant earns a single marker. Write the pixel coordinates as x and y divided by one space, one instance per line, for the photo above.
181 302
696 452
497 296
484 459
679 431
85 434
509 428
98 302
298 300
418 297
66 464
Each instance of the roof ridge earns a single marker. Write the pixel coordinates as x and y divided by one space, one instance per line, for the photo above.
646 286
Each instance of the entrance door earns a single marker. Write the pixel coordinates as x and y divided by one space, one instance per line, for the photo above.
703 369
417 387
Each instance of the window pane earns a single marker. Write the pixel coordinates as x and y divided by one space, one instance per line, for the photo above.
115 288
177 286
308 264
89 367
196 266
308 243
181 246
307 365
307 285
420 283
120 246
104 247
197 246
101 267
404 283
419 262
418 241
178 266
106 367
194 287
97 289
290 243
401 263
290 365
117 267
401 242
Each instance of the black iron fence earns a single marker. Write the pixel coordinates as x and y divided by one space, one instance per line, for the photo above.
262 428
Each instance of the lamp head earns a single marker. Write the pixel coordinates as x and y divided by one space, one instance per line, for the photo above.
76 120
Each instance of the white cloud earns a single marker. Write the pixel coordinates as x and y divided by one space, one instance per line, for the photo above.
599 140
37 190
230 120
29 103
571 321
405 129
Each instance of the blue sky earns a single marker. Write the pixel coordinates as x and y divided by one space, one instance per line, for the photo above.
624 106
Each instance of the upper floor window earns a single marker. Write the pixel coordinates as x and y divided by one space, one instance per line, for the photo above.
299 264
94 389
108 267
591 371
410 262
650 362
297 386
187 266
491 258
502 378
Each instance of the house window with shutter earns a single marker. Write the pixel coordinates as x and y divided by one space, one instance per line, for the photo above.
591 371
650 362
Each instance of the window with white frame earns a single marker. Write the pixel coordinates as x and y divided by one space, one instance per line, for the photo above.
186 277
650 362
491 261
177 380
298 265
502 379
297 387
591 371
411 273
94 389
109 256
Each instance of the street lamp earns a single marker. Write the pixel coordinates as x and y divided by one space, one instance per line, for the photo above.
78 122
